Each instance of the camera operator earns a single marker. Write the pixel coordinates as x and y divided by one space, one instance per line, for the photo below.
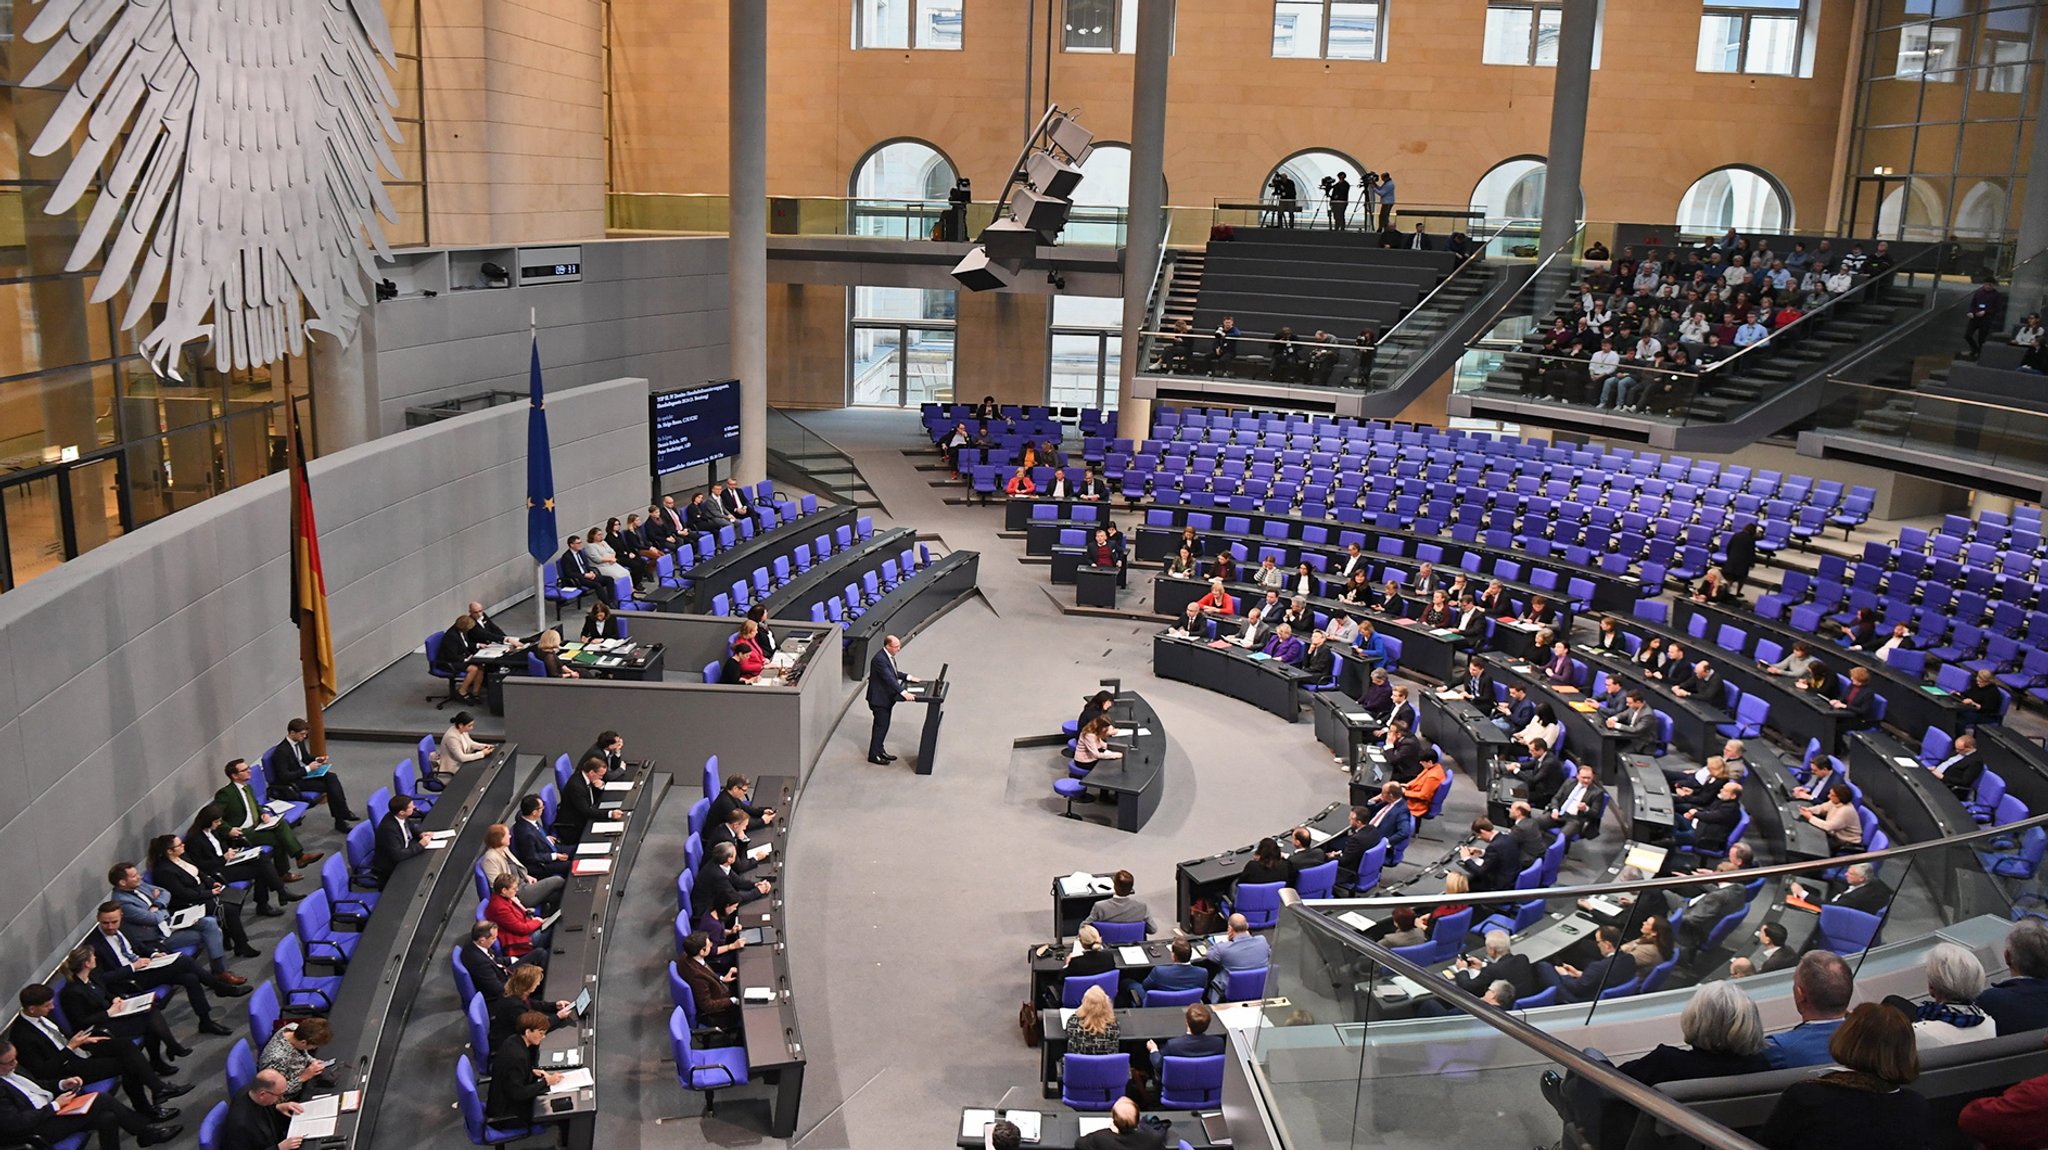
1288 198
955 229
1386 198
1339 191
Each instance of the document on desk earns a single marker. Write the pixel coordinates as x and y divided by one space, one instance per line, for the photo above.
1356 716
608 828
1079 883
1607 907
1143 731
316 1117
761 852
619 786
590 866
1133 955
578 1079
974 1123
437 840
1906 760
1355 920
583 849
1091 1123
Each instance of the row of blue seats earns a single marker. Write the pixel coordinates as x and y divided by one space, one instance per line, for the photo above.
672 569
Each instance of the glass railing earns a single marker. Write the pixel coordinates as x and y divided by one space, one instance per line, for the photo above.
1931 346
1356 1041
1317 213
668 213
825 470
1967 430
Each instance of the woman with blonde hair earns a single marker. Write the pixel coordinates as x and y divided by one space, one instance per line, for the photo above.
1093 1028
498 859
1455 882
548 649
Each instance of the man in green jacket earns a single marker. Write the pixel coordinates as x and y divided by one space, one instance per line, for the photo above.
245 817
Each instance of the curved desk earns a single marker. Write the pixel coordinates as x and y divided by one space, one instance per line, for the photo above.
1267 684
775 1048
1910 705
1425 651
1139 778
1213 875
902 611
717 573
828 578
1922 810
1796 714
2020 761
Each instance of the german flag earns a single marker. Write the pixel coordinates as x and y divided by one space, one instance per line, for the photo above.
309 586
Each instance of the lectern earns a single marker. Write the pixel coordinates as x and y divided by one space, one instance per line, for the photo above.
933 695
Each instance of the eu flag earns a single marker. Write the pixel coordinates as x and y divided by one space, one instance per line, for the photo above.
541 537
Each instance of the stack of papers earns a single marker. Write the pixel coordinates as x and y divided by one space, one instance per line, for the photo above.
1090 1123
590 866
761 852
1604 906
1355 920
572 1080
1133 955
974 1123
134 1005
1080 882
316 1117
619 786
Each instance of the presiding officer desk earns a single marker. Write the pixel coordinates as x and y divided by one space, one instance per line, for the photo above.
1229 669
400 944
590 903
1425 651
1909 704
902 611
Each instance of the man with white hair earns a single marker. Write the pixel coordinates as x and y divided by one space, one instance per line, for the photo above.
2021 1002
1239 950
1862 890
1500 965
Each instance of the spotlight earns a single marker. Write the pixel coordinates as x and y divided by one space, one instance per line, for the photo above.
1010 242
1043 214
977 272
1051 175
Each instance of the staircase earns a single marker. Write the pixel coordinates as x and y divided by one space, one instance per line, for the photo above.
1183 284
799 457
1837 336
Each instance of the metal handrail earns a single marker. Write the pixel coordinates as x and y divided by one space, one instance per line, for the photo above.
1478 250
1917 395
1647 1099
1960 303
1746 874
1535 274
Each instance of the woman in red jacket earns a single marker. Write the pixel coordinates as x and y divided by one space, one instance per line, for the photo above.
746 651
519 931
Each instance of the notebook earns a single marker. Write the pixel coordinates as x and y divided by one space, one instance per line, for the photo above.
1133 955
608 828
591 866
572 1080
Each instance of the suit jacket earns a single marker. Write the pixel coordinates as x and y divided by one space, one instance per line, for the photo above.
706 987
487 970
86 1003
1861 705
1288 650
42 1057
1513 968
112 971
1175 976
714 887
1564 791
1961 776
1783 958
713 835
236 811
885 683
1543 774
1319 662
249 1125
1308 858
706 516
1716 822
513 1083
656 531
184 889
1530 836
531 847
1404 758
1496 868
1871 897
1472 623
735 505
1140 1137
1122 908
1708 909
1679 676
724 805
1521 714
1638 726
1614 970
290 761
18 1122
1392 822
516 924
575 569
395 844
456 649
579 806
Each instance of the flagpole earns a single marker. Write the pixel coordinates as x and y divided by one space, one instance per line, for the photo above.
540 568
309 662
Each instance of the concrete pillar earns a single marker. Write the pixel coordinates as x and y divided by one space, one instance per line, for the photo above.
1147 201
346 410
747 260
1574 82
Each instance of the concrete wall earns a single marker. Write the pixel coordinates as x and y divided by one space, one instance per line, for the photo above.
653 308
129 675
514 106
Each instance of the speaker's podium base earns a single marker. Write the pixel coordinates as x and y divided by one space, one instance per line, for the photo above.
1095 586
933 696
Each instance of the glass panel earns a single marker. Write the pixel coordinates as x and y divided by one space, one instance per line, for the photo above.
1548 21
939 24
1091 26
877 365
34 541
148 477
1507 35
1929 51
1298 29
95 503
1990 147
1112 367
901 189
1731 198
1354 31
1720 43
1076 369
881 23
2005 66
1773 45
929 366
250 453
1127 27
1087 311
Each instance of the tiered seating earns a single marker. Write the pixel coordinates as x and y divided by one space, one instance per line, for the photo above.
672 569
1615 508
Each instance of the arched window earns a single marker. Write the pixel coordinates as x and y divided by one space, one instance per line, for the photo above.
1745 199
1100 200
1912 212
899 190
1308 170
1513 189
1981 214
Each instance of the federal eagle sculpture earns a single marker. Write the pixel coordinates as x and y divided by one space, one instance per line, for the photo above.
246 187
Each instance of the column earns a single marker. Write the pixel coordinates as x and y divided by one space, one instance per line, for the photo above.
747 259
1568 123
2027 296
1147 200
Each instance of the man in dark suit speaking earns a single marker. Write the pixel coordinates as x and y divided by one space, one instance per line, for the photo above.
887 686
